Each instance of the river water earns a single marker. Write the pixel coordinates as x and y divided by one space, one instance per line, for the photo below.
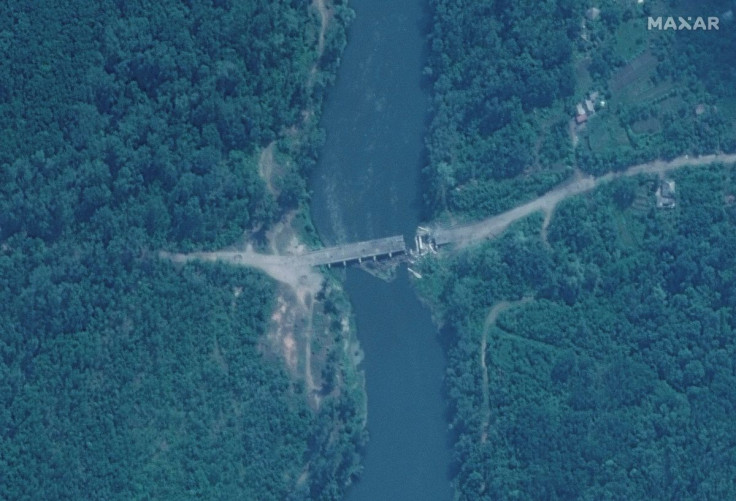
366 185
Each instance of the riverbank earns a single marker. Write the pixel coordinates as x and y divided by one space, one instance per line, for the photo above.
130 376
366 186
311 330
625 295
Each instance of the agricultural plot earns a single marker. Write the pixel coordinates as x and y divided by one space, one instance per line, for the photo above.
650 125
606 134
632 39
632 87
633 83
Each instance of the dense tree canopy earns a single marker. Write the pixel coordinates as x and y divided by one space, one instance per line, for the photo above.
595 361
129 127
507 77
494 65
615 378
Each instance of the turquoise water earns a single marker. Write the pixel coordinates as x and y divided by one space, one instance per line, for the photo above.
366 185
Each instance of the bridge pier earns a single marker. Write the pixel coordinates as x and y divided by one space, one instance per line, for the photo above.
358 251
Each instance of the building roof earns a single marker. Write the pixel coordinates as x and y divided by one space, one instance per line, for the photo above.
668 188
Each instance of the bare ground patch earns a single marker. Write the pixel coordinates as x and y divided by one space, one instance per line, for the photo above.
325 16
267 168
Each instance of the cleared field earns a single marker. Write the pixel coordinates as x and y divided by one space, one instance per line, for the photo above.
649 126
582 76
633 74
606 134
633 84
632 39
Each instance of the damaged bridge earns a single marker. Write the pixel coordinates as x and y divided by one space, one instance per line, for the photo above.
357 252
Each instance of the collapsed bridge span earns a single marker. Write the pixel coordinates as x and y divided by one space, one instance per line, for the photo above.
388 247
430 239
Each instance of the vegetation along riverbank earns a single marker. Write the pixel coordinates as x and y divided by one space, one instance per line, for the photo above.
130 128
590 349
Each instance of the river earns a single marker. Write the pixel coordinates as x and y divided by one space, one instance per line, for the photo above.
366 185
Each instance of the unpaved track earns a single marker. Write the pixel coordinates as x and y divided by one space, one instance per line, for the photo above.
324 15
490 321
488 228
289 270
295 270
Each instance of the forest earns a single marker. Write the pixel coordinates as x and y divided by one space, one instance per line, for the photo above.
505 79
496 68
130 127
592 358
610 374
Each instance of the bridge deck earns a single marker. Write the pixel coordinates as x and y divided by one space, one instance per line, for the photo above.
443 236
368 249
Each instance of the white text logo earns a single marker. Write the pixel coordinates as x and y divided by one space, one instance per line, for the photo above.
682 23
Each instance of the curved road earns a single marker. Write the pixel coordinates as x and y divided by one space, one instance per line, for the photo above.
466 234
296 270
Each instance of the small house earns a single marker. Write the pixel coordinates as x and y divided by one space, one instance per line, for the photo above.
666 194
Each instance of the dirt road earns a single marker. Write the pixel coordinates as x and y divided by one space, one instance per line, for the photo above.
488 228
289 270
325 15
294 269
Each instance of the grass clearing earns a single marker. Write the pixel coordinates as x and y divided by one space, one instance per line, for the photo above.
633 83
651 125
632 39
605 134
582 77
625 236
637 71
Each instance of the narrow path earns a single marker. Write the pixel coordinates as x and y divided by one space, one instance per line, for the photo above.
324 16
493 314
